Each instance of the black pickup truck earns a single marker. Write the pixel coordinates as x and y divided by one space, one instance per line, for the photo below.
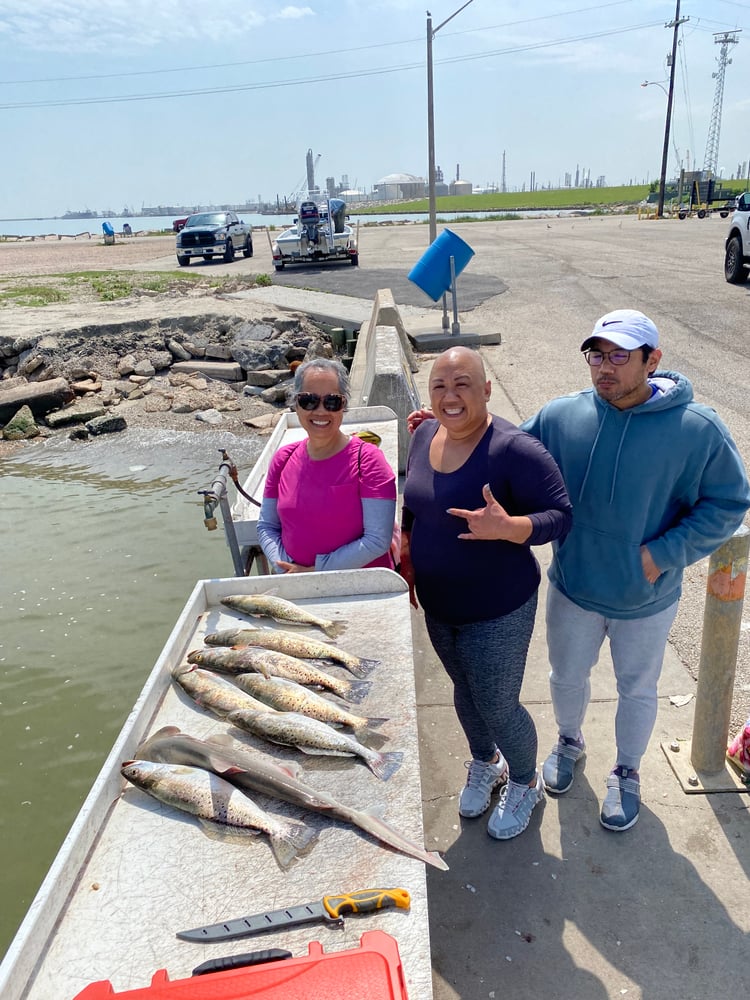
213 234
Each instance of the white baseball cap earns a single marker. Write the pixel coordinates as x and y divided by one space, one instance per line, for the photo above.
627 328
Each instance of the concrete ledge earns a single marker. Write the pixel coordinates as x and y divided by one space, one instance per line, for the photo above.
385 312
382 377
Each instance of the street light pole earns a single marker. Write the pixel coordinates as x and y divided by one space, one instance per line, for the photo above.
431 32
431 197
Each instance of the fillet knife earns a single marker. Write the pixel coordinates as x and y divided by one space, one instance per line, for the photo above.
329 910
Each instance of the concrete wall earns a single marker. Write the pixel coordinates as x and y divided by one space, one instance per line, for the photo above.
383 366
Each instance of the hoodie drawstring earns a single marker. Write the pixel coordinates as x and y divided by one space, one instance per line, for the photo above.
617 457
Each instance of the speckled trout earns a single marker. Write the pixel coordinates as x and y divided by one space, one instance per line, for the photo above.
288 696
266 605
215 801
314 737
217 694
254 771
293 645
269 663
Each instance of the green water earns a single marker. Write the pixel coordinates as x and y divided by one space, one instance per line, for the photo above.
100 547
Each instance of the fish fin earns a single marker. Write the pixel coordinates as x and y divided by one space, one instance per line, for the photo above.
362 668
434 859
287 847
291 767
385 765
334 629
357 691
222 832
165 731
377 811
367 734
142 751
222 740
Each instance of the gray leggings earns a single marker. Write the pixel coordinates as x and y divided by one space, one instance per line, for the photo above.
486 662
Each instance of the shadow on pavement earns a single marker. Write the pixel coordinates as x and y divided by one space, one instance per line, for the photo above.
605 916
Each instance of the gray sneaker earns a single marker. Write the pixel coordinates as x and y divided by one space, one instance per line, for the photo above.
558 769
512 813
482 780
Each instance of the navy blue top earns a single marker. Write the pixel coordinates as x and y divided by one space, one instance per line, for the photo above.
460 581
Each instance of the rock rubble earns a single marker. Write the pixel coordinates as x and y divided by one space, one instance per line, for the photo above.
199 366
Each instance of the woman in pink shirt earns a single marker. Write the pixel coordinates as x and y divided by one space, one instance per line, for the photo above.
330 500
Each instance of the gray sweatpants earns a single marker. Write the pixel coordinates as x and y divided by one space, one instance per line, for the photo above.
574 638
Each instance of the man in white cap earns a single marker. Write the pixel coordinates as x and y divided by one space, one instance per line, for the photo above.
656 484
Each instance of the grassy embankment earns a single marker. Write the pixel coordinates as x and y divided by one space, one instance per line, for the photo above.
588 199
108 286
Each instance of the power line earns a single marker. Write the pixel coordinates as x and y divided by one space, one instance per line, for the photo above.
310 55
306 81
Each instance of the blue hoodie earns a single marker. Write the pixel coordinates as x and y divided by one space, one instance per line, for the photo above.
665 473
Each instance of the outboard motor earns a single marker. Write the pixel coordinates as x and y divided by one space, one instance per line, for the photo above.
309 218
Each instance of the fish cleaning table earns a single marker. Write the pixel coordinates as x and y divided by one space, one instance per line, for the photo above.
132 871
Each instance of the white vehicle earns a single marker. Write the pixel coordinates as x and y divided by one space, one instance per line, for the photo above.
737 246
319 233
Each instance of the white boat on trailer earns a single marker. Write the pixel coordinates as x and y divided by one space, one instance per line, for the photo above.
320 233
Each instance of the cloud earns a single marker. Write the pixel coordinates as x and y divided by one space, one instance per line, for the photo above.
293 13
88 26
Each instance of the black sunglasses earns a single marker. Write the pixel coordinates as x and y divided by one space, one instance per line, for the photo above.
332 401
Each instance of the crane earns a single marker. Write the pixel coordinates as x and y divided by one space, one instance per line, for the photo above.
305 186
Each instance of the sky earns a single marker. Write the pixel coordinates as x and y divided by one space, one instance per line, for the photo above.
113 104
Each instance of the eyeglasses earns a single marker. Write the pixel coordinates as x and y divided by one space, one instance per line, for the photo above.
595 358
332 401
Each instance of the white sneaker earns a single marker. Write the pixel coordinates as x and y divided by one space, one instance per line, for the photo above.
512 813
482 780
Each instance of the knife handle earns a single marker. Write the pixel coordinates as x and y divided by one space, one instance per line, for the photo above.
366 901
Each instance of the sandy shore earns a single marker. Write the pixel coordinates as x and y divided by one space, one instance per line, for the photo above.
66 254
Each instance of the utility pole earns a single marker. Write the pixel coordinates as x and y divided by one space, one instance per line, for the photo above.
665 151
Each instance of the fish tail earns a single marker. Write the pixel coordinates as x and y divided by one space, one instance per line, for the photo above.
361 667
376 723
334 629
385 765
356 691
296 839
365 731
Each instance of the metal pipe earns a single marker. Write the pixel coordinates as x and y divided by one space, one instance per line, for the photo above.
456 328
215 497
725 592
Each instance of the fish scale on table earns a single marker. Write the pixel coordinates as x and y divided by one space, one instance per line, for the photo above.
293 645
218 802
271 663
314 737
251 770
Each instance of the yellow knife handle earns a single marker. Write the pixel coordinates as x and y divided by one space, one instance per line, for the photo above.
366 901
